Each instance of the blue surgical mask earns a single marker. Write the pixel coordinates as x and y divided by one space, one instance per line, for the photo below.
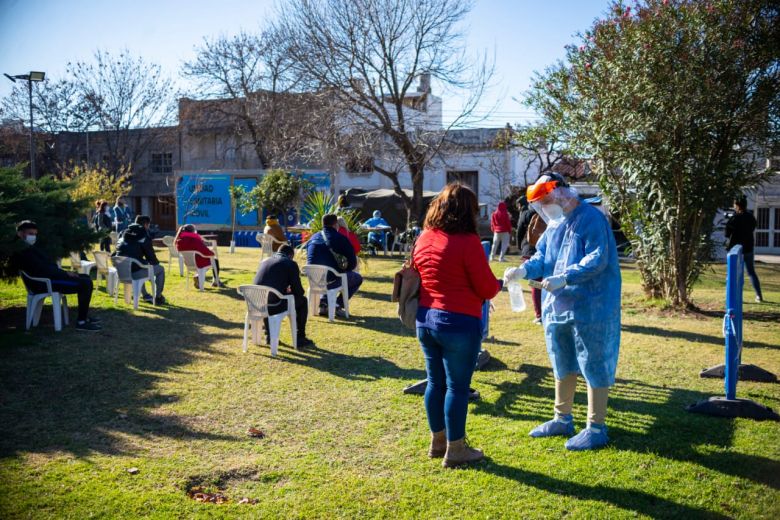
30 239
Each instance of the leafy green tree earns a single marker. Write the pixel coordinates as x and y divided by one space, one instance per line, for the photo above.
49 203
277 191
675 101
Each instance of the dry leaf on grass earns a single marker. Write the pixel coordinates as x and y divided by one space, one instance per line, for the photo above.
254 432
199 495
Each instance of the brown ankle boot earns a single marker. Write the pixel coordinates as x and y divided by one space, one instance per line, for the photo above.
438 445
459 453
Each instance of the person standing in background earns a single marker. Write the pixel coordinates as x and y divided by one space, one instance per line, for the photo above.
530 227
739 231
501 226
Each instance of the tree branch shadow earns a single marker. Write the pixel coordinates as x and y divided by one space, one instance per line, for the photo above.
84 396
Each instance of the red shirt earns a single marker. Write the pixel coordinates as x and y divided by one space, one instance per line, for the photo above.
500 221
353 238
454 272
194 242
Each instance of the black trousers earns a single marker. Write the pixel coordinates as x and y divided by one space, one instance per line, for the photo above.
105 244
82 286
301 313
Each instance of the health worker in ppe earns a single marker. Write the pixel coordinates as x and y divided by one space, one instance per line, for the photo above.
578 261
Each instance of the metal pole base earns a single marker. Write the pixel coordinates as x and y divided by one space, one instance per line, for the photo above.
746 373
722 407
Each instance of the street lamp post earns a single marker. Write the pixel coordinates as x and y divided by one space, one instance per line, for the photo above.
32 76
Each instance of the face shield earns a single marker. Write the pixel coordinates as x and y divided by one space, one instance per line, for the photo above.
552 199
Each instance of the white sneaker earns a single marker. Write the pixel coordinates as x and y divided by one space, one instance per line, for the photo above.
759 299
537 321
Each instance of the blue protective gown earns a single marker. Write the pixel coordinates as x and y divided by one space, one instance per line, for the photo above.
581 320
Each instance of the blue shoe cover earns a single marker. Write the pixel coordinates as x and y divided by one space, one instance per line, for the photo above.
561 425
591 438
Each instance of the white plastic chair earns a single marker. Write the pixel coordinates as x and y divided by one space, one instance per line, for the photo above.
103 267
256 298
318 285
114 239
212 244
79 265
124 268
173 253
267 244
190 262
35 302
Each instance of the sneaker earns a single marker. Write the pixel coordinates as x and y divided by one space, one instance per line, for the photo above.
537 321
91 319
219 285
759 299
591 438
160 300
304 342
88 327
147 298
340 312
561 425
474 394
323 310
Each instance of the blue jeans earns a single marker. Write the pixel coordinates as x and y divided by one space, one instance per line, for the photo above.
751 270
450 358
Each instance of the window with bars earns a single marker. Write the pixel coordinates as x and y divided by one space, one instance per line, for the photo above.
161 162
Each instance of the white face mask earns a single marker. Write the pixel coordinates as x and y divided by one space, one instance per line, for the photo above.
30 239
553 211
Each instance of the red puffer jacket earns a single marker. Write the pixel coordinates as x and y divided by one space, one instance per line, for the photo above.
500 221
353 238
194 242
454 272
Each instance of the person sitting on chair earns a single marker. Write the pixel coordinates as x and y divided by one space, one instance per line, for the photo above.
273 229
136 242
33 261
282 273
321 250
376 239
188 239
351 235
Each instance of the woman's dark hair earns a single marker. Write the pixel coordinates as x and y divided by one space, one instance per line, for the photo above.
454 210
741 203
143 220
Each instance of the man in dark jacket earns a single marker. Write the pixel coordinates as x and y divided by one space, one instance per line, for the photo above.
739 231
35 263
281 272
320 251
528 248
136 242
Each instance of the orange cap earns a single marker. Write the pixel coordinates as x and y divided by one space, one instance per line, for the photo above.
536 192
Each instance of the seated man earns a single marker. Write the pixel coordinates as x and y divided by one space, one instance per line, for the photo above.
319 251
376 239
188 239
136 242
281 272
34 262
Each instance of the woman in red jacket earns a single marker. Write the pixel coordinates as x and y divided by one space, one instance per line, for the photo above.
455 280
501 226
187 239
353 238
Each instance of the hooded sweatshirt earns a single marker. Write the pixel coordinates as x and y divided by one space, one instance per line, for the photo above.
500 221
273 228
135 242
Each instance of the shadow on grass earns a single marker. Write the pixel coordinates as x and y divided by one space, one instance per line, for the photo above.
629 500
643 418
355 368
86 395
694 337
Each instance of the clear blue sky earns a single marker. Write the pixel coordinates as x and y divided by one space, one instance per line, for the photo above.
526 35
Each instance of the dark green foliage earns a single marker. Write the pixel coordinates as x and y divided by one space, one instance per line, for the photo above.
277 192
62 222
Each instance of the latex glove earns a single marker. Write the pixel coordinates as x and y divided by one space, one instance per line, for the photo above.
554 283
514 273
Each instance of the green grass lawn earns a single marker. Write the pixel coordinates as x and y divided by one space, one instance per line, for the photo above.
169 391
